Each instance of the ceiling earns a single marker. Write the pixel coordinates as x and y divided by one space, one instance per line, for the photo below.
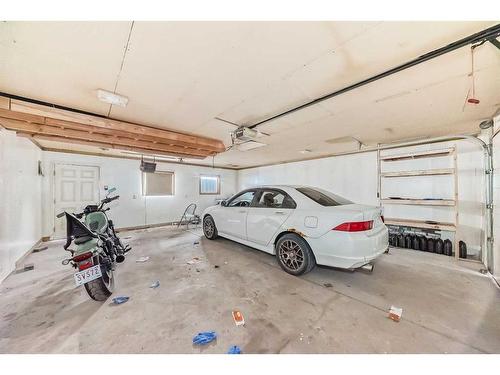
184 75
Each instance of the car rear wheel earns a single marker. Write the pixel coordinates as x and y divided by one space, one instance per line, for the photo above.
294 255
209 228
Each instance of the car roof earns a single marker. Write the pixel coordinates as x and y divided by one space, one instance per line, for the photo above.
299 198
278 186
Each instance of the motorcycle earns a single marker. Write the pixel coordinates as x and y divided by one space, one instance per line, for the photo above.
97 248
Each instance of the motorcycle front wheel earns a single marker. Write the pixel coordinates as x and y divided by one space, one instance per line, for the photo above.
100 289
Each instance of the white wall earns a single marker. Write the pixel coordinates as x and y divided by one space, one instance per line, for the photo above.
351 176
355 177
132 209
20 197
27 208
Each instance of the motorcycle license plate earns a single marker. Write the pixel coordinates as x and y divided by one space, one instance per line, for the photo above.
87 275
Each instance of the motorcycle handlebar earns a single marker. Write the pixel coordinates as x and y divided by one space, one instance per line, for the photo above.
107 200
80 215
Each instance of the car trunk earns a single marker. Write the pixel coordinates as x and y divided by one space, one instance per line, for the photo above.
332 217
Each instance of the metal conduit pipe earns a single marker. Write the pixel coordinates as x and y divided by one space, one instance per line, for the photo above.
490 34
488 170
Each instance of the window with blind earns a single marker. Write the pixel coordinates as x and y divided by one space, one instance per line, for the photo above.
209 185
158 184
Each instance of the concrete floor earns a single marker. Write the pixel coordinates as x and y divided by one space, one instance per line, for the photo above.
448 307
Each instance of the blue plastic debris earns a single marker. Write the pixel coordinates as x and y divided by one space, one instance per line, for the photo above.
155 285
234 350
203 338
119 300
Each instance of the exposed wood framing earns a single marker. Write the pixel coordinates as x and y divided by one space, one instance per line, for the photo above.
42 122
4 102
89 137
128 157
144 151
421 224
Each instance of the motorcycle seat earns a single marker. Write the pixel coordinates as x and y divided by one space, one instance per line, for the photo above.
82 240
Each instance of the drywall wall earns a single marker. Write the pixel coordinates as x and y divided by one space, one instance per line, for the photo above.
20 197
355 177
133 209
27 200
352 176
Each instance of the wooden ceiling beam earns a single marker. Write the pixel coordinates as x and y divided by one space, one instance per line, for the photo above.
93 129
4 102
6 113
106 123
102 145
115 140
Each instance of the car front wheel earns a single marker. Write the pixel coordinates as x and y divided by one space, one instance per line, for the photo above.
294 254
209 228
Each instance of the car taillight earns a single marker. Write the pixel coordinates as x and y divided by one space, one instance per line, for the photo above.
84 265
355 226
82 257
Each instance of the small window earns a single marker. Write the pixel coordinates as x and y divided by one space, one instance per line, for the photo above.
275 199
158 184
324 198
209 185
242 200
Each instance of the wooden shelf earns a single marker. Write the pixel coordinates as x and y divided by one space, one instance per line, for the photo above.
420 202
418 155
421 224
451 153
425 172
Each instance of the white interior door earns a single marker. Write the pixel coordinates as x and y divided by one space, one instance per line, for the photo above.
76 186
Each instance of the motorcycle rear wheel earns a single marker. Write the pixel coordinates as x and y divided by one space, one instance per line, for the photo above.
100 289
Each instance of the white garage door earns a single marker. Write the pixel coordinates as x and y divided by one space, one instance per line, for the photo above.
76 186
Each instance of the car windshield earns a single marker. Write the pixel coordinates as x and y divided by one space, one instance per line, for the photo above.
242 200
323 197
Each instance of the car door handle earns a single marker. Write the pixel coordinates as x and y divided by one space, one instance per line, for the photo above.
279 212
242 211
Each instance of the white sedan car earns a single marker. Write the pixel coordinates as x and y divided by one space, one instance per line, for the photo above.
302 226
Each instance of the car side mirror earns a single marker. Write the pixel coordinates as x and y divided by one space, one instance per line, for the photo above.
223 203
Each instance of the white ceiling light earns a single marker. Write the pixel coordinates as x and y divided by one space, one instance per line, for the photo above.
112 98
